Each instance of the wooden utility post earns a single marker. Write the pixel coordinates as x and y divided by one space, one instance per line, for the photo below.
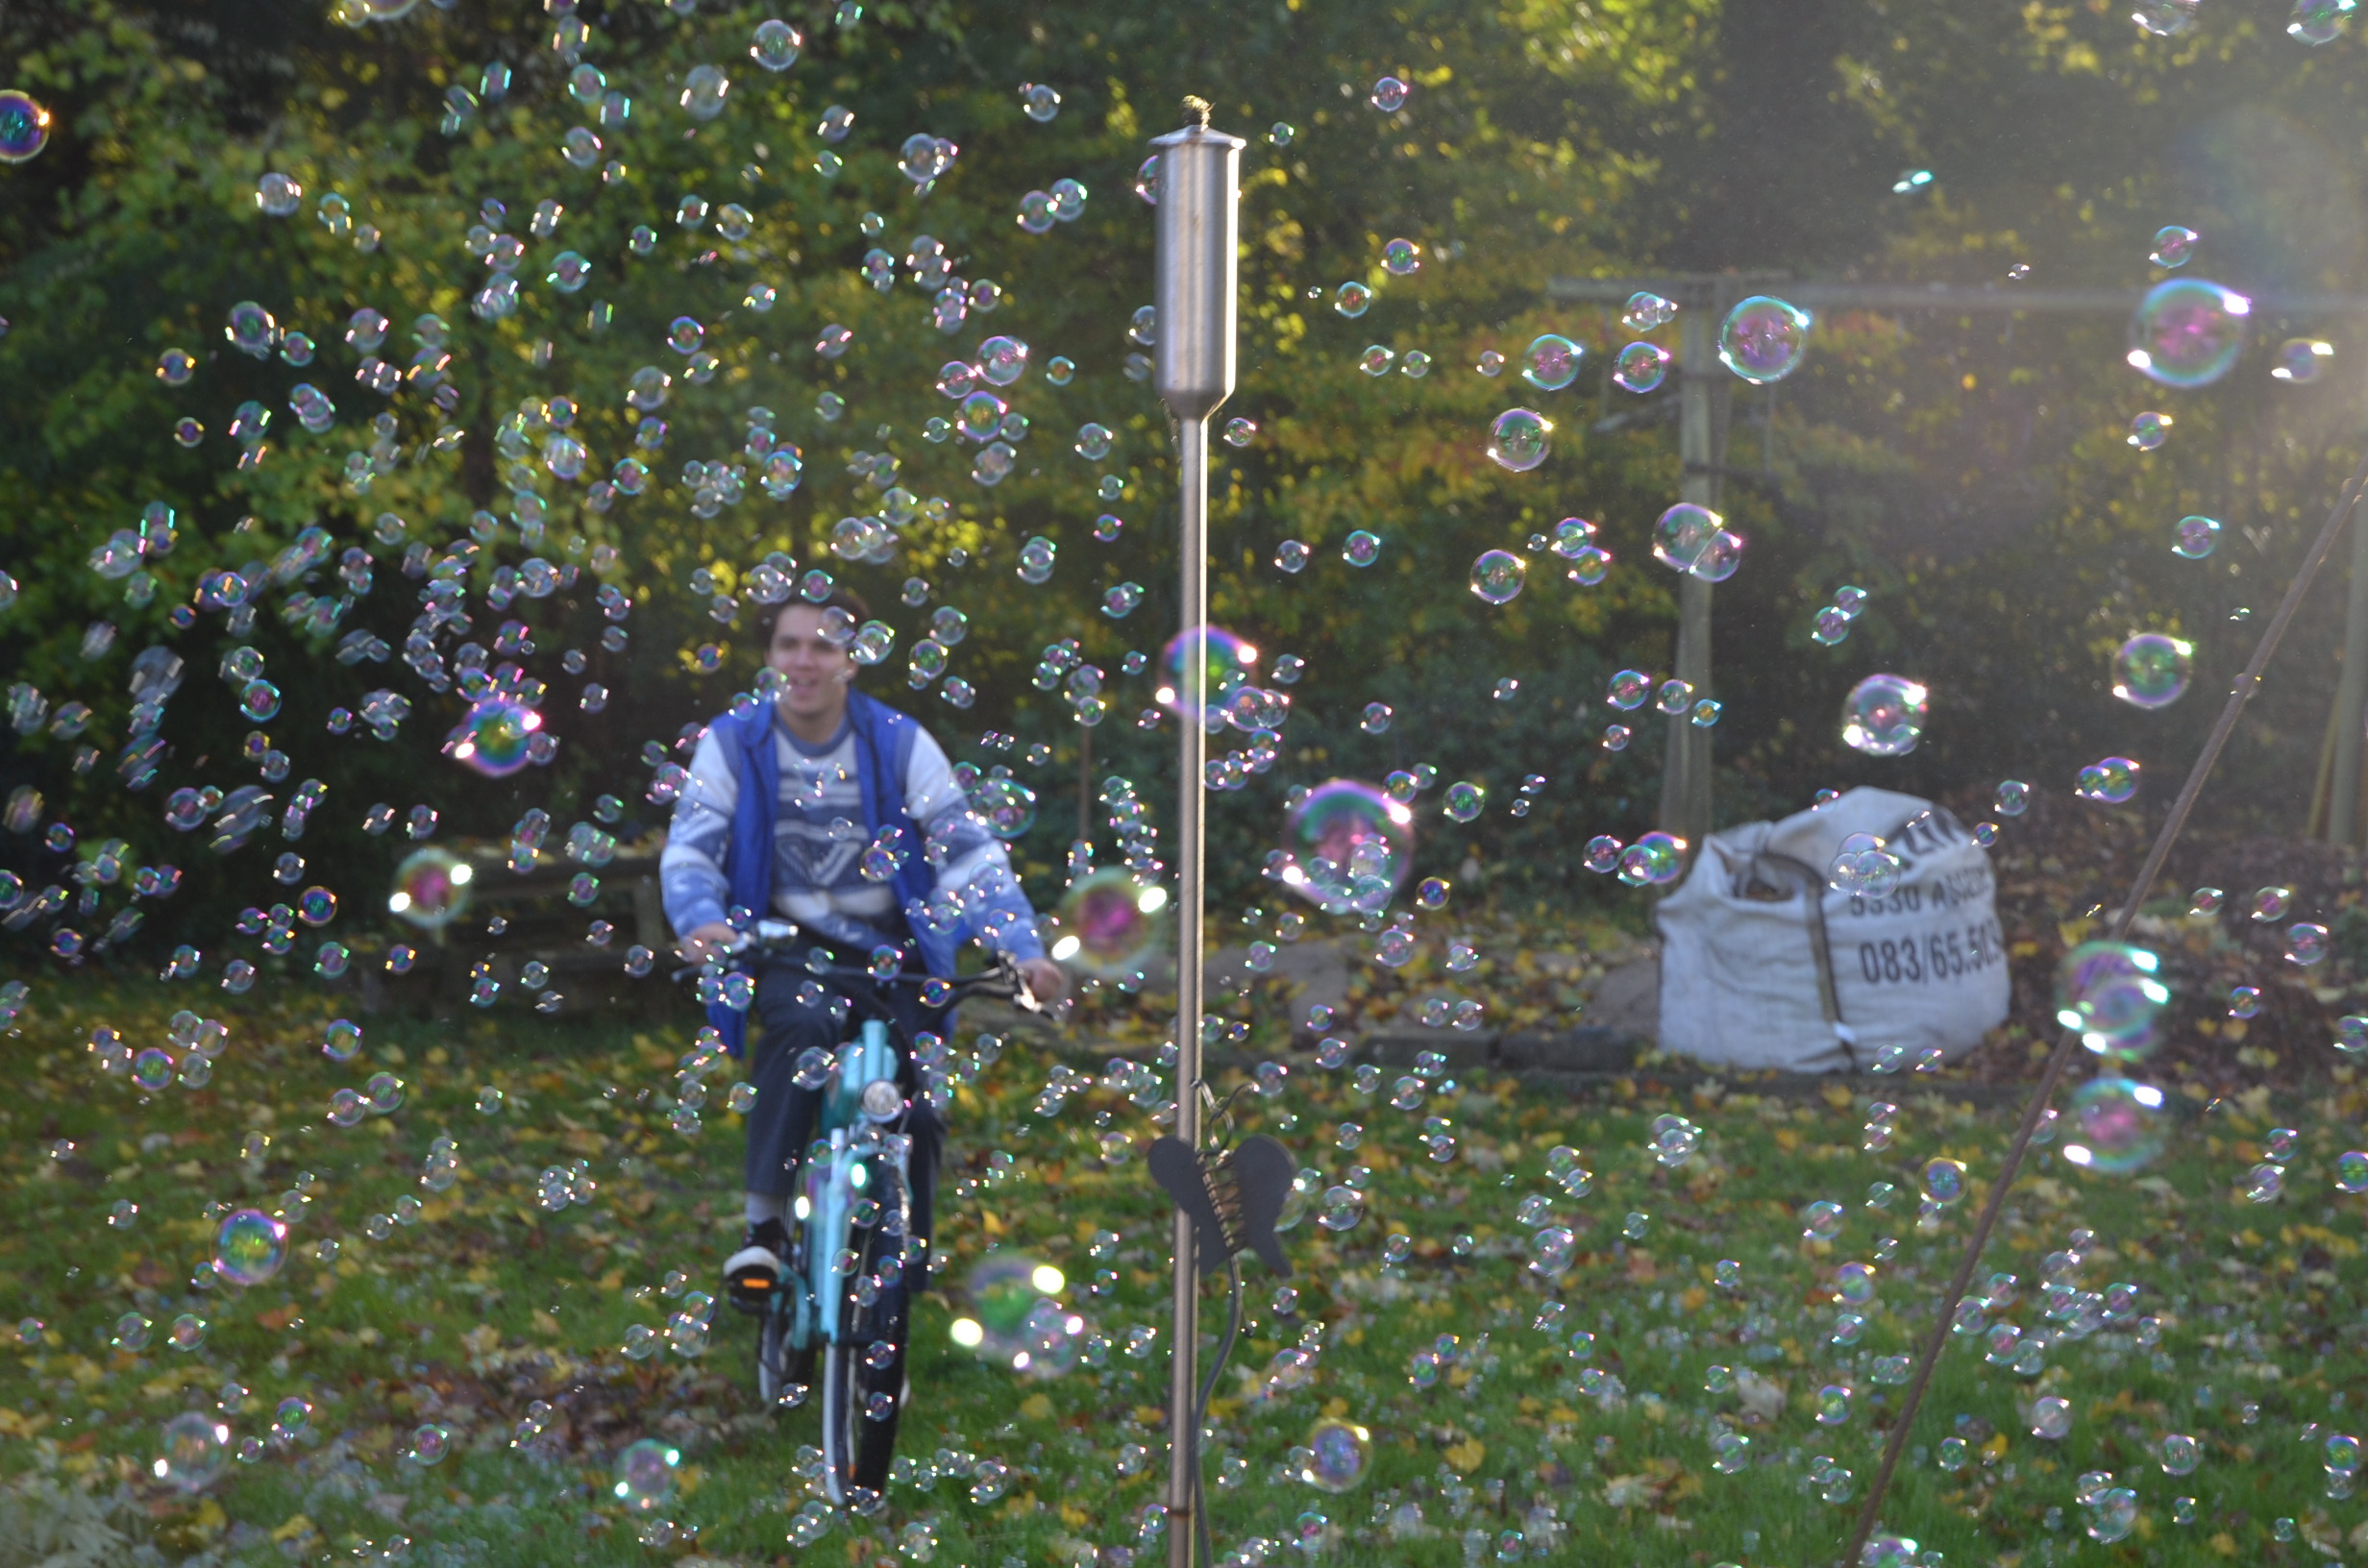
1703 300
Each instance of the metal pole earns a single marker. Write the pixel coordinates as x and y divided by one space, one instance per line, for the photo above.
1686 779
2343 825
1199 223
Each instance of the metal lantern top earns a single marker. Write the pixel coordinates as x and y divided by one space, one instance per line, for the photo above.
1198 238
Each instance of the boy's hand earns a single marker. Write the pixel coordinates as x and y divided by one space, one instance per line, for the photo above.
707 942
1045 980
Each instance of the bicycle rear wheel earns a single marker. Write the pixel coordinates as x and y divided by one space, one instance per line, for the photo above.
863 1375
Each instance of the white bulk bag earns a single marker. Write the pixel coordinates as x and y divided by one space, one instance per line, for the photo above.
1755 974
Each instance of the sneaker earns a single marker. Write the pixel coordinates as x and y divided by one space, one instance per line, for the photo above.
752 1274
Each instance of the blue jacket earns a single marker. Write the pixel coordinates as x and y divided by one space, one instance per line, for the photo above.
883 749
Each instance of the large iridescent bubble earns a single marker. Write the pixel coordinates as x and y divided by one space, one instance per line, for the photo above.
2111 993
2118 1126
24 126
2151 670
1349 846
432 888
496 737
1884 716
1015 1319
1109 925
1338 1453
1763 339
2187 332
249 1247
1227 658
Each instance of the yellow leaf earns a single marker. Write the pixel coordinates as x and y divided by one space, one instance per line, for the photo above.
295 1528
1036 1407
1466 1455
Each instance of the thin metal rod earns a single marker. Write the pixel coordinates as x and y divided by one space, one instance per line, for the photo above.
1686 773
1942 297
1190 811
2060 1057
2351 702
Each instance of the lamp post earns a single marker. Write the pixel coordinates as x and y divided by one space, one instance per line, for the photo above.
1194 295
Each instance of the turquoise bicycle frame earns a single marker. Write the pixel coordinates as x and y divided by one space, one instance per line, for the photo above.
836 1180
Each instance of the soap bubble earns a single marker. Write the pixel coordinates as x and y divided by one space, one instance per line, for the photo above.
2150 429
1519 439
2118 1126
1464 800
1361 548
343 1041
2051 1417
1821 1220
1350 844
1352 299
1039 102
249 1247
2112 780
24 127
1388 95
704 91
496 737
432 888
2196 537
1496 575
1338 1453
2300 360
1012 1316
2352 1172
1645 312
2165 19
2188 333
1113 931
1683 533
2319 22
2174 245
644 1475
2179 1454
1884 716
1227 658
278 195
2151 670
1007 806
1401 259
775 45
190 1451
2109 993
1552 362
1640 367
1763 339
1864 867
1552 1250
1655 860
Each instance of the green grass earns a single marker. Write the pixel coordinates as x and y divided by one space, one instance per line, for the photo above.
489 1303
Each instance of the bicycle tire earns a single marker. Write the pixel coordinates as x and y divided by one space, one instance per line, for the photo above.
781 1369
858 1447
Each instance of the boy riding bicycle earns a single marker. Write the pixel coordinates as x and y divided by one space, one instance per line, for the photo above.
776 820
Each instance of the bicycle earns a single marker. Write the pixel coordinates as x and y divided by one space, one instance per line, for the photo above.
842 1300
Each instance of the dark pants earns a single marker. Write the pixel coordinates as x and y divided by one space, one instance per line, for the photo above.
782 1123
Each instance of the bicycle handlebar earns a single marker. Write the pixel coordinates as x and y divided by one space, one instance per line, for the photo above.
1001 979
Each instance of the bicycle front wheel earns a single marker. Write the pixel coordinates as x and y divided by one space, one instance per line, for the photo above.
863 1376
